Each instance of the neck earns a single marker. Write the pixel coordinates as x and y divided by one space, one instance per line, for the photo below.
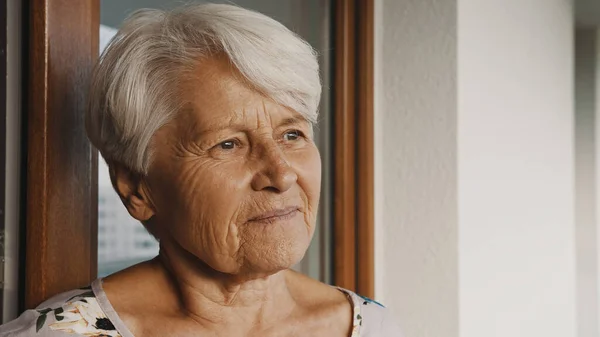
213 298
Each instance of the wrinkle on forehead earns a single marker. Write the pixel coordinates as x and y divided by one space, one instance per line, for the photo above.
247 110
258 116
218 98
217 83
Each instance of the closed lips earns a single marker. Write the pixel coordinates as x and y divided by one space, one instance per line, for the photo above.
279 213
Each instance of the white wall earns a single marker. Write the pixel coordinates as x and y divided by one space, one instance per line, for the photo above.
474 164
597 179
585 179
416 196
516 231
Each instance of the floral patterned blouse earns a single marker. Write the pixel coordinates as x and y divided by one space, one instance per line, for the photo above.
87 312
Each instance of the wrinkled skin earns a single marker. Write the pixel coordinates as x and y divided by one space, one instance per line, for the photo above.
232 194
233 156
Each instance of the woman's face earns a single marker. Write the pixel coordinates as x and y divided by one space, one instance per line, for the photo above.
235 178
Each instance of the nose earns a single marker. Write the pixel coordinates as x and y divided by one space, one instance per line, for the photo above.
275 174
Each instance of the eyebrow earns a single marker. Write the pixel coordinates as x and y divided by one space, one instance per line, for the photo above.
292 121
238 126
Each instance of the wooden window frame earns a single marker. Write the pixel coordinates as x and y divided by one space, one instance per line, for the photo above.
354 221
61 186
61 220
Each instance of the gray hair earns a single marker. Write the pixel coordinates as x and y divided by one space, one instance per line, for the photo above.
133 91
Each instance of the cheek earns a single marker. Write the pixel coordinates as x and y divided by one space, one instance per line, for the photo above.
308 168
212 192
201 206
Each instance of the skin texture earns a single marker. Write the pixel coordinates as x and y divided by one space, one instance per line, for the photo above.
232 194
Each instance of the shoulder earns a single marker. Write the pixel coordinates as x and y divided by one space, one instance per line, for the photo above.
373 318
72 313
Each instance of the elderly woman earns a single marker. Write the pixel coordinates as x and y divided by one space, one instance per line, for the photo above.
204 115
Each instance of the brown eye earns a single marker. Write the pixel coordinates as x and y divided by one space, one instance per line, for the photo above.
292 135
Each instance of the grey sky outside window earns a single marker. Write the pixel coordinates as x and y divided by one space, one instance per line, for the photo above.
13 172
122 241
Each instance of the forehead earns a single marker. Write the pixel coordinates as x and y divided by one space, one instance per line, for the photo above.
217 94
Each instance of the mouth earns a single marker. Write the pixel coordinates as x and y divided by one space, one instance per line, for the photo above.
276 215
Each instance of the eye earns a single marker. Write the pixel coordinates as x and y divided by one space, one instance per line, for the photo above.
227 145
229 148
292 135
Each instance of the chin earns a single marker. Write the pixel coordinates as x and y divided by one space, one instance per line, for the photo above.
274 260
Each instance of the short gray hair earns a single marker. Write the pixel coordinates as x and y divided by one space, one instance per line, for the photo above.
133 90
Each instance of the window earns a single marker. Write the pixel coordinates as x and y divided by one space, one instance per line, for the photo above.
145 244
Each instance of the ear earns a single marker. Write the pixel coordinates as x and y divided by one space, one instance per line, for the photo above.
131 188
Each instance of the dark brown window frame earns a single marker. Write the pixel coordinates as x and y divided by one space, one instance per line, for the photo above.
61 186
354 146
61 207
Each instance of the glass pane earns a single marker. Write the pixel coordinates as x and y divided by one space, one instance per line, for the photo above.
9 236
122 241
